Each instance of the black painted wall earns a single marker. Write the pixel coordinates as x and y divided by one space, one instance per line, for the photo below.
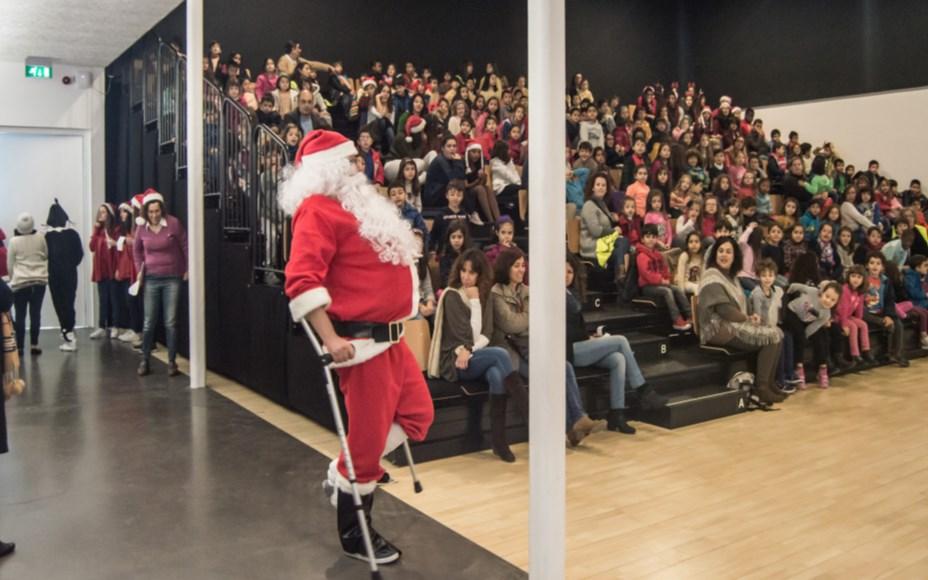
778 51
438 34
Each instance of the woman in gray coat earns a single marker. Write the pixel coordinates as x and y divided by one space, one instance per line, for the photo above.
596 222
27 262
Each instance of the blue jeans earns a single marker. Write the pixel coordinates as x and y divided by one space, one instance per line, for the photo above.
491 363
161 292
571 392
786 367
613 353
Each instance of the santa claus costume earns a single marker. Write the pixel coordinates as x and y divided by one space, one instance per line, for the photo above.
353 258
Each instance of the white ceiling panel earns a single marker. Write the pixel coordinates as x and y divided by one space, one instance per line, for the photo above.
88 32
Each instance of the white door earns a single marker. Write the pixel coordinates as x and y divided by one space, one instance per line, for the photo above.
34 170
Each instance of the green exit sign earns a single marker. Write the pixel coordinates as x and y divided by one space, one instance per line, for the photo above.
38 71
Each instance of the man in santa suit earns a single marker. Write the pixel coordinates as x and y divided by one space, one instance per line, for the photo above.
352 275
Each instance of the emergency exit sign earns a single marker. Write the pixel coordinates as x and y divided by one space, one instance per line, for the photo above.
38 71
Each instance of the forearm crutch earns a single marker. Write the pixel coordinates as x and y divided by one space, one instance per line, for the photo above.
346 453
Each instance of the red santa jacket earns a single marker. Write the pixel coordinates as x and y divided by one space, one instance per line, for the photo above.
652 268
104 257
125 260
332 266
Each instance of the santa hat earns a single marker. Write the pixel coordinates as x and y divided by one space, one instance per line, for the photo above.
414 124
110 209
706 110
125 206
136 200
368 81
150 195
321 146
724 99
736 111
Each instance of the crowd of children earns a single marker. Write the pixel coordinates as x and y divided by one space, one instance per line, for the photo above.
829 253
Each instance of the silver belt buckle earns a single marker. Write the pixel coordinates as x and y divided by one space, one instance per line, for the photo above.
396 331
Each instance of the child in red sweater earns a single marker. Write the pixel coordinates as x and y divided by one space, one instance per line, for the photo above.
630 221
654 280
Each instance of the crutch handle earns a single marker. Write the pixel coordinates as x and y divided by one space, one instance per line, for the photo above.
326 359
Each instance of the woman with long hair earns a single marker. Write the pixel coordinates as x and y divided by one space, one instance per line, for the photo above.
461 345
724 319
106 232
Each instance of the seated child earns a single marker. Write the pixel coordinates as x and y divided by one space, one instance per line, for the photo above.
654 280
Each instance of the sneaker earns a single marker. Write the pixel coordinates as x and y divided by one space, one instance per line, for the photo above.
681 324
787 388
900 360
128 336
474 218
143 369
98 333
801 377
67 346
924 341
114 333
35 350
823 381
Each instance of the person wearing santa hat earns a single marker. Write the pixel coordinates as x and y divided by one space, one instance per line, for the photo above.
65 253
103 247
160 254
348 239
126 273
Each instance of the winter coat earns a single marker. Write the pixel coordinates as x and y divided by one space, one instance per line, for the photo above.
510 317
850 305
811 225
652 267
594 224
915 288
27 260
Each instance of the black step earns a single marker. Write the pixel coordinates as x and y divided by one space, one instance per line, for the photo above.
695 405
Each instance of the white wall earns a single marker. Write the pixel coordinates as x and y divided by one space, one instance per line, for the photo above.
48 107
29 186
889 127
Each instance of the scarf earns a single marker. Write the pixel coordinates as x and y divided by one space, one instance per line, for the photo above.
828 255
715 325
433 366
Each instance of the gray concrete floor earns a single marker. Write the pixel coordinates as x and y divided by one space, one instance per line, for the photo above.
115 477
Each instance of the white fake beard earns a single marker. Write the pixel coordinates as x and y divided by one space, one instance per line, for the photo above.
378 220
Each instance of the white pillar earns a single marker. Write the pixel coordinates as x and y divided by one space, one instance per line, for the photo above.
196 273
547 235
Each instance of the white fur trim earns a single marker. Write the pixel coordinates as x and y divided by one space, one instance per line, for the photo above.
415 292
153 196
341 482
344 149
140 221
418 128
364 350
395 437
379 223
308 301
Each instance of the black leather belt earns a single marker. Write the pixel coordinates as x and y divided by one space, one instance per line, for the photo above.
390 332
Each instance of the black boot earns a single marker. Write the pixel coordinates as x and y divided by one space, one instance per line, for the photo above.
616 422
7 548
498 428
518 391
349 531
768 395
651 399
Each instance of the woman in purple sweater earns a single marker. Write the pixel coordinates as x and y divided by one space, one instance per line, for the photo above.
161 260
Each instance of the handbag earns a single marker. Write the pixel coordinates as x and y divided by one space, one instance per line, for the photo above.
12 383
519 343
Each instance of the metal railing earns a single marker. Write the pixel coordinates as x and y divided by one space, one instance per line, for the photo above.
137 79
168 97
212 139
271 231
181 113
237 166
150 96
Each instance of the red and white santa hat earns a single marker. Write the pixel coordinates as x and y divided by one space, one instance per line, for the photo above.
321 146
136 200
368 81
110 209
414 124
150 195
724 99
125 206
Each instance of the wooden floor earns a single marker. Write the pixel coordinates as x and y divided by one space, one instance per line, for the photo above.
832 485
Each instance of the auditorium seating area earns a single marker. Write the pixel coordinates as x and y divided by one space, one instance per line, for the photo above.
248 148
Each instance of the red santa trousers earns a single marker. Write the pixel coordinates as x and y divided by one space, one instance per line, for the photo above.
387 389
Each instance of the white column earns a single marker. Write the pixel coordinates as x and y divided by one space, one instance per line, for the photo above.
195 224
547 235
